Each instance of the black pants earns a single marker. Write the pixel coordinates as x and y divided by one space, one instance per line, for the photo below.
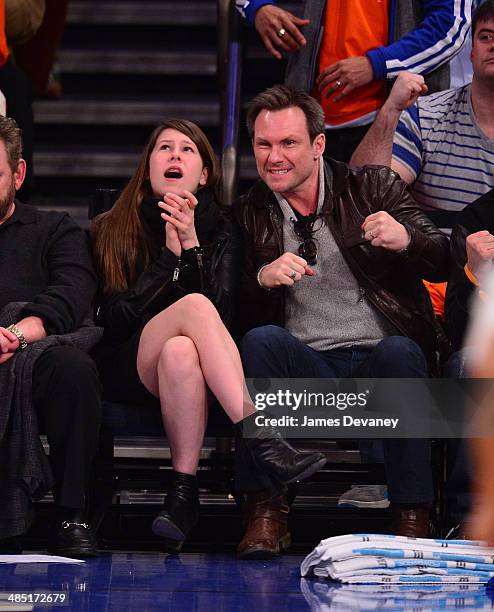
67 398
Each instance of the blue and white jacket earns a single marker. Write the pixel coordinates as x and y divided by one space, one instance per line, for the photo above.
423 35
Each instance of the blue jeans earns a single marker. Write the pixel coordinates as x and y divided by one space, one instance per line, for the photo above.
272 352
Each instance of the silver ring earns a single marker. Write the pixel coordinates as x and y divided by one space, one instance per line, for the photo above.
338 84
281 32
293 275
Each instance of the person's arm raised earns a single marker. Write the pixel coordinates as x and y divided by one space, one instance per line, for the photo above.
377 145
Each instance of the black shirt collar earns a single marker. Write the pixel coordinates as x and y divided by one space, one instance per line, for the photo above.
23 213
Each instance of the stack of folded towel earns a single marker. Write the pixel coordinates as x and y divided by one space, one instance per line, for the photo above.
383 559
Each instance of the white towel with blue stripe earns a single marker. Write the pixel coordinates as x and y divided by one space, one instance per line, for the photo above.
323 596
384 559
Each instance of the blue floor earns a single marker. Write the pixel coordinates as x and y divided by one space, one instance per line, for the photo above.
216 582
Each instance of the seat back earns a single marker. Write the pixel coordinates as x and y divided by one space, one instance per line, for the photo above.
102 201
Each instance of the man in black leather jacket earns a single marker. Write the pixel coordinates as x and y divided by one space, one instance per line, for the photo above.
351 303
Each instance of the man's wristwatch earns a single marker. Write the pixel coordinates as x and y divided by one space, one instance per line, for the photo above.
19 335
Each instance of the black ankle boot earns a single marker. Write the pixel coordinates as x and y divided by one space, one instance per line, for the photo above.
275 457
180 511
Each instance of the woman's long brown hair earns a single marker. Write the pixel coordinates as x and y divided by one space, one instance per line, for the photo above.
117 235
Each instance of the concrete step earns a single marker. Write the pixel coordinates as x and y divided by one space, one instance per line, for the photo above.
142 13
105 164
149 13
81 111
63 163
138 61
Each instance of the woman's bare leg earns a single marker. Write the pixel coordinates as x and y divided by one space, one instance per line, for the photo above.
196 318
183 399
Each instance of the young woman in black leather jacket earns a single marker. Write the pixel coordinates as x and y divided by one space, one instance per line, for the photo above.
166 260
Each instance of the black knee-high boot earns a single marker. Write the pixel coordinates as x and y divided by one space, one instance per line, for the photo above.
180 511
280 461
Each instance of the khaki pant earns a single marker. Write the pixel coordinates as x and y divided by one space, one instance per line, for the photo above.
22 19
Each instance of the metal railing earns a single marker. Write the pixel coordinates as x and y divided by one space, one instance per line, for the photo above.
229 80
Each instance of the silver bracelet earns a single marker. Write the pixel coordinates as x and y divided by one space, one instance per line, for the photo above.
258 277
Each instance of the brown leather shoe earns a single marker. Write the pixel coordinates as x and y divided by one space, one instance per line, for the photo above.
266 521
410 522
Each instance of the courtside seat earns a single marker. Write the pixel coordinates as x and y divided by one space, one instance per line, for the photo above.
130 419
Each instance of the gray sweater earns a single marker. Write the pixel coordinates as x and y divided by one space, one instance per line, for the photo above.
328 310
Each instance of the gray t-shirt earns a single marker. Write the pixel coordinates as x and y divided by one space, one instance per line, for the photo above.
441 144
